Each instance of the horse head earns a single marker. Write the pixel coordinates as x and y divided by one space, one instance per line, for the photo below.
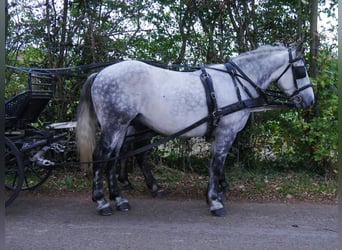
294 80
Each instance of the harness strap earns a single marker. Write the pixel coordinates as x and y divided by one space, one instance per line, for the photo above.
211 102
233 70
226 110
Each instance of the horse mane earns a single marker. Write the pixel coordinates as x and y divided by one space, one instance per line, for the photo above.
262 50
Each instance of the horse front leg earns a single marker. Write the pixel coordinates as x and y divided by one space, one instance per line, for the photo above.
136 128
151 183
217 184
123 174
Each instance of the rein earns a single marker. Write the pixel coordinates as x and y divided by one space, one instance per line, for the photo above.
237 74
250 103
215 113
265 99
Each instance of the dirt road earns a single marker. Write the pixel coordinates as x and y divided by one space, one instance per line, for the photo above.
66 223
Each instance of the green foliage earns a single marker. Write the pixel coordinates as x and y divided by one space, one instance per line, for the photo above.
48 34
296 138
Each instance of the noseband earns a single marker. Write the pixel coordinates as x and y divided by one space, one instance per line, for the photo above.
298 72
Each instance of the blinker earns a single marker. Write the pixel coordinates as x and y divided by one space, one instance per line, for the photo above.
299 72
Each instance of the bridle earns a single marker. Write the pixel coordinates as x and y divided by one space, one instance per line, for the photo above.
298 72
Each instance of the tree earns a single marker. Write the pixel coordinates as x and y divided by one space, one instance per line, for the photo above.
58 34
314 39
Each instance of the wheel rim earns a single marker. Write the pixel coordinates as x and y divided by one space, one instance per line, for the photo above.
35 175
14 174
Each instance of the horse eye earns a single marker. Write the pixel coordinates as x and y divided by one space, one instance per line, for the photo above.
299 72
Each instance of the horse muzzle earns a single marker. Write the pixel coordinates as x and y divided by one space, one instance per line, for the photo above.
300 102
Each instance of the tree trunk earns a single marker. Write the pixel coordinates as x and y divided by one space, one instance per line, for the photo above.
314 40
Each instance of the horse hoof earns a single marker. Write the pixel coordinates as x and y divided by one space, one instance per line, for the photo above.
219 212
160 193
106 211
124 207
122 204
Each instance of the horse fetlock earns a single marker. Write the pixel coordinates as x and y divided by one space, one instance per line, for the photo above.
97 196
216 204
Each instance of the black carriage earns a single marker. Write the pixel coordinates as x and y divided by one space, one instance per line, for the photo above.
29 150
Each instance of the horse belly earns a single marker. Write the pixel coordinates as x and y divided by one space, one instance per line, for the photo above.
167 125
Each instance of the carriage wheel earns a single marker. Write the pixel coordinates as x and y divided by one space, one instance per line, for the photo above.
35 175
14 174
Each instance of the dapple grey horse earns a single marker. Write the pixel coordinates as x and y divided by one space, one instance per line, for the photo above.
169 101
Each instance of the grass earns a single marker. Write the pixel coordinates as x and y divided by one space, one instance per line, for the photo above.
283 186
247 185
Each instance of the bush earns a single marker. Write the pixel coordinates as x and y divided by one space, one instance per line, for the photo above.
281 139
296 138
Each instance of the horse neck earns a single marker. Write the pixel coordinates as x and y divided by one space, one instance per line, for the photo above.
264 67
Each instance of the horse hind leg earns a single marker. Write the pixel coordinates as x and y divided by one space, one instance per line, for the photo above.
123 169
99 157
121 203
108 142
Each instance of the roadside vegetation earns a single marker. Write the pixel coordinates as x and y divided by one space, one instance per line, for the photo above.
282 154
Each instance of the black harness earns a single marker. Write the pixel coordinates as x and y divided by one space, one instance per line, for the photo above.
211 102
237 74
214 112
265 98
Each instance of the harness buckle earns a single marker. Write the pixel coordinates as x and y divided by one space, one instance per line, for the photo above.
216 115
204 74
297 99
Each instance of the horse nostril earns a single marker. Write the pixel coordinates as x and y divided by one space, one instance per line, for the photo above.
310 103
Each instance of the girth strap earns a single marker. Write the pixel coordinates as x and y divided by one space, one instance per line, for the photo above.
229 109
211 102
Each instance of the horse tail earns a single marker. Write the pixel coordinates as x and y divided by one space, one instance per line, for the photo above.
86 126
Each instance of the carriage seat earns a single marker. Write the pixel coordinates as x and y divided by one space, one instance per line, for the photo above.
25 107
